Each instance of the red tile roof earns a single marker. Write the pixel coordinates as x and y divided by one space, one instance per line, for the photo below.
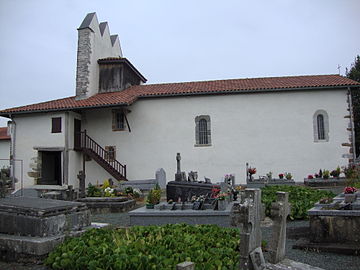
3 134
131 94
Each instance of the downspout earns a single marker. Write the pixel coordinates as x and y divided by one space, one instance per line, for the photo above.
66 151
352 124
12 126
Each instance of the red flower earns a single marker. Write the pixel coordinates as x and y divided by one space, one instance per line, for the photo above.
310 176
215 192
350 190
252 170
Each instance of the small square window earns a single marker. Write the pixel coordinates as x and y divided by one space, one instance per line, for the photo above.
56 125
110 154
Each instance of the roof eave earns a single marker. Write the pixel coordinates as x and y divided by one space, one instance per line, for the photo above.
8 114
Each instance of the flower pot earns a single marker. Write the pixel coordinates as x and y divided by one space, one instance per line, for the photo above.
149 206
222 205
350 198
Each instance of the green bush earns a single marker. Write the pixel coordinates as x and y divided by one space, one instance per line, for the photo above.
300 198
150 247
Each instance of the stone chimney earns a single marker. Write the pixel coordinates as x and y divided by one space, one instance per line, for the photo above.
94 43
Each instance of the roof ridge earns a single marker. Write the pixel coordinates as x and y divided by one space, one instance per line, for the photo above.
237 79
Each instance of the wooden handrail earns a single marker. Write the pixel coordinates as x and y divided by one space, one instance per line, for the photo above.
88 143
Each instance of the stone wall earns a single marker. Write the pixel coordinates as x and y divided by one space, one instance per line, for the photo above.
94 42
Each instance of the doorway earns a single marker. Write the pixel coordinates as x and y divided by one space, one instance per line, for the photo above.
77 134
50 168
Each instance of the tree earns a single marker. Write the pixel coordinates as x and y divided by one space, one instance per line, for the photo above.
354 74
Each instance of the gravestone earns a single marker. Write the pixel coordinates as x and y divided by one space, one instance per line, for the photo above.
247 215
179 175
160 177
182 189
192 176
82 190
279 212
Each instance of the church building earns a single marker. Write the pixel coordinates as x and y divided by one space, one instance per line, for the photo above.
117 126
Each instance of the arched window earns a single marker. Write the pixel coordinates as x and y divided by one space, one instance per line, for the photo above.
203 138
321 126
202 131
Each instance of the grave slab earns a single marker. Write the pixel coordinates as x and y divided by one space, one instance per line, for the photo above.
29 216
145 217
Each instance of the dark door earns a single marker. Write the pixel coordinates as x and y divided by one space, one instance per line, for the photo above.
50 168
77 134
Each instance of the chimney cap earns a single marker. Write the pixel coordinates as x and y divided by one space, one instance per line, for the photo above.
87 21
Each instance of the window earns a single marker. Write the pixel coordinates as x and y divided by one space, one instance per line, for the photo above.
203 137
321 126
56 125
202 131
110 153
118 120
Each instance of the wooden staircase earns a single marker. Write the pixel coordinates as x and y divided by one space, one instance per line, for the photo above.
91 148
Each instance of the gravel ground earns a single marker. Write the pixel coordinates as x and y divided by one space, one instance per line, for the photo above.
325 260
328 261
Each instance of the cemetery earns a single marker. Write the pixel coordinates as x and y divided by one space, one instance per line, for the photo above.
187 223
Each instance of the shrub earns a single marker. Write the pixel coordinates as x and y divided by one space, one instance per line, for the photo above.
300 198
150 247
93 191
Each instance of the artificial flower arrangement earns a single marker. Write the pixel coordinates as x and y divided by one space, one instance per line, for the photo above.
335 173
252 171
215 192
281 175
222 196
350 190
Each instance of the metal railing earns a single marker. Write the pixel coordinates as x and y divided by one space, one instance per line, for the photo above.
86 142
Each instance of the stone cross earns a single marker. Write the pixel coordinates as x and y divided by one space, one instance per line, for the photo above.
247 215
179 176
279 212
178 158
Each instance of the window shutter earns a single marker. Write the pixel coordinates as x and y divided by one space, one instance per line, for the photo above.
56 125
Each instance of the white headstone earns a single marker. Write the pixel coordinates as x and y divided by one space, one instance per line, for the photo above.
160 177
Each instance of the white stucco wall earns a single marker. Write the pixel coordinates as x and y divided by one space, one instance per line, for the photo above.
271 131
33 131
4 153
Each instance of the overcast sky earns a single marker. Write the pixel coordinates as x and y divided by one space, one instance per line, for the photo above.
174 41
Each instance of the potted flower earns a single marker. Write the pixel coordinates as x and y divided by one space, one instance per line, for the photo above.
281 175
349 193
288 176
335 173
150 200
269 175
326 174
222 200
310 176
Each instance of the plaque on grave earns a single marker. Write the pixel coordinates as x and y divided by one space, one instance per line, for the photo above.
197 205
